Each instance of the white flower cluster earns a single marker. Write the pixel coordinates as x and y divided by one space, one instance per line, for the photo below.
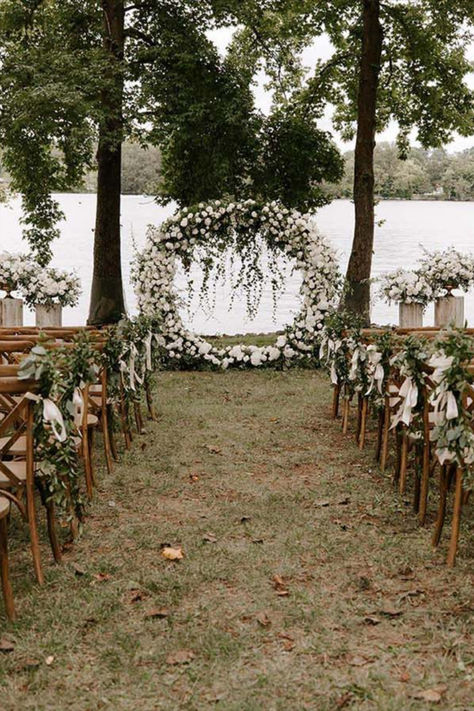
15 270
448 269
48 286
410 287
214 226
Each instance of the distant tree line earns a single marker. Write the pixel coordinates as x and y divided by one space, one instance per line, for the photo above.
434 174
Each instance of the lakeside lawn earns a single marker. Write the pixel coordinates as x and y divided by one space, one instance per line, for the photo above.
306 581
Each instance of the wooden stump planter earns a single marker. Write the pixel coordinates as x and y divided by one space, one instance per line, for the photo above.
410 315
11 312
449 311
49 316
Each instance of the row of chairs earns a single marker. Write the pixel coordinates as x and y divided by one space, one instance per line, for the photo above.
19 464
406 447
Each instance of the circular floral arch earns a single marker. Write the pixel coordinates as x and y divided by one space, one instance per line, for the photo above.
203 234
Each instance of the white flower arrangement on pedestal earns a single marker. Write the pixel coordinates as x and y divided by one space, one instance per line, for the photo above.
204 234
409 287
49 287
445 270
15 271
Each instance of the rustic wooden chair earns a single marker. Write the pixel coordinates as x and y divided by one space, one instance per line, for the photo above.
6 499
17 461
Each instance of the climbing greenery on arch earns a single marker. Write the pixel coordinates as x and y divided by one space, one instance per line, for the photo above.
206 235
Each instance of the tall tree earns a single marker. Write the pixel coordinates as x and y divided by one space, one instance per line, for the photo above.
401 60
75 73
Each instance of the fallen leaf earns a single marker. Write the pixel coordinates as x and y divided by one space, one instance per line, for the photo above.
193 478
389 611
209 538
102 577
6 646
404 677
213 449
433 695
49 660
78 569
343 700
172 553
257 540
280 586
371 620
357 660
183 656
30 663
244 519
288 645
137 595
263 619
157 612
322 504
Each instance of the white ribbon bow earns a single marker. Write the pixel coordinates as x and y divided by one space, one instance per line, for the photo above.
408 394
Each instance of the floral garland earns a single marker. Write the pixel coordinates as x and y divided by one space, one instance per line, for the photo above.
206 234
453 434
409 287
407 400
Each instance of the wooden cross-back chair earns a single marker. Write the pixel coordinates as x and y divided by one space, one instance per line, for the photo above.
17 458
6 499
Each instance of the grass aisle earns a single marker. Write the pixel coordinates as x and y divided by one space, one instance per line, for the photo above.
306 582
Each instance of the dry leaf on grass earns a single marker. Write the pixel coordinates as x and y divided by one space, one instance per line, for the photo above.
136 595
213 449
6 645
209 538
263 619
78 569
390 611
193 478
102 577
172 553
49 660
371 620
434 695
183 656
357 660
157 612
280 586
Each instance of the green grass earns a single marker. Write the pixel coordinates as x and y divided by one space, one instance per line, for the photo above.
248 474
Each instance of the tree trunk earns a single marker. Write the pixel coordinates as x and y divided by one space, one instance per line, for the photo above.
357 296
107 301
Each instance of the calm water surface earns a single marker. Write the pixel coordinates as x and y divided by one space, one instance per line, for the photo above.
409 226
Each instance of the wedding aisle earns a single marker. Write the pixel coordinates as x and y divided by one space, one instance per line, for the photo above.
301 580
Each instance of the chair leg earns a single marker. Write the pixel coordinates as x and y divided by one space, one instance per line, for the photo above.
111 435
385 435
149 401
4 574
106 436
402 482
379 435
34 539
345 416
443 495
138 417
87 462
335 401
458 495
53 538
363 423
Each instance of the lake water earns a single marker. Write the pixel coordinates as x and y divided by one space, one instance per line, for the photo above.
409 226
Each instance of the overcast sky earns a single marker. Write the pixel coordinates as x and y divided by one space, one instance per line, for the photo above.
321 49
